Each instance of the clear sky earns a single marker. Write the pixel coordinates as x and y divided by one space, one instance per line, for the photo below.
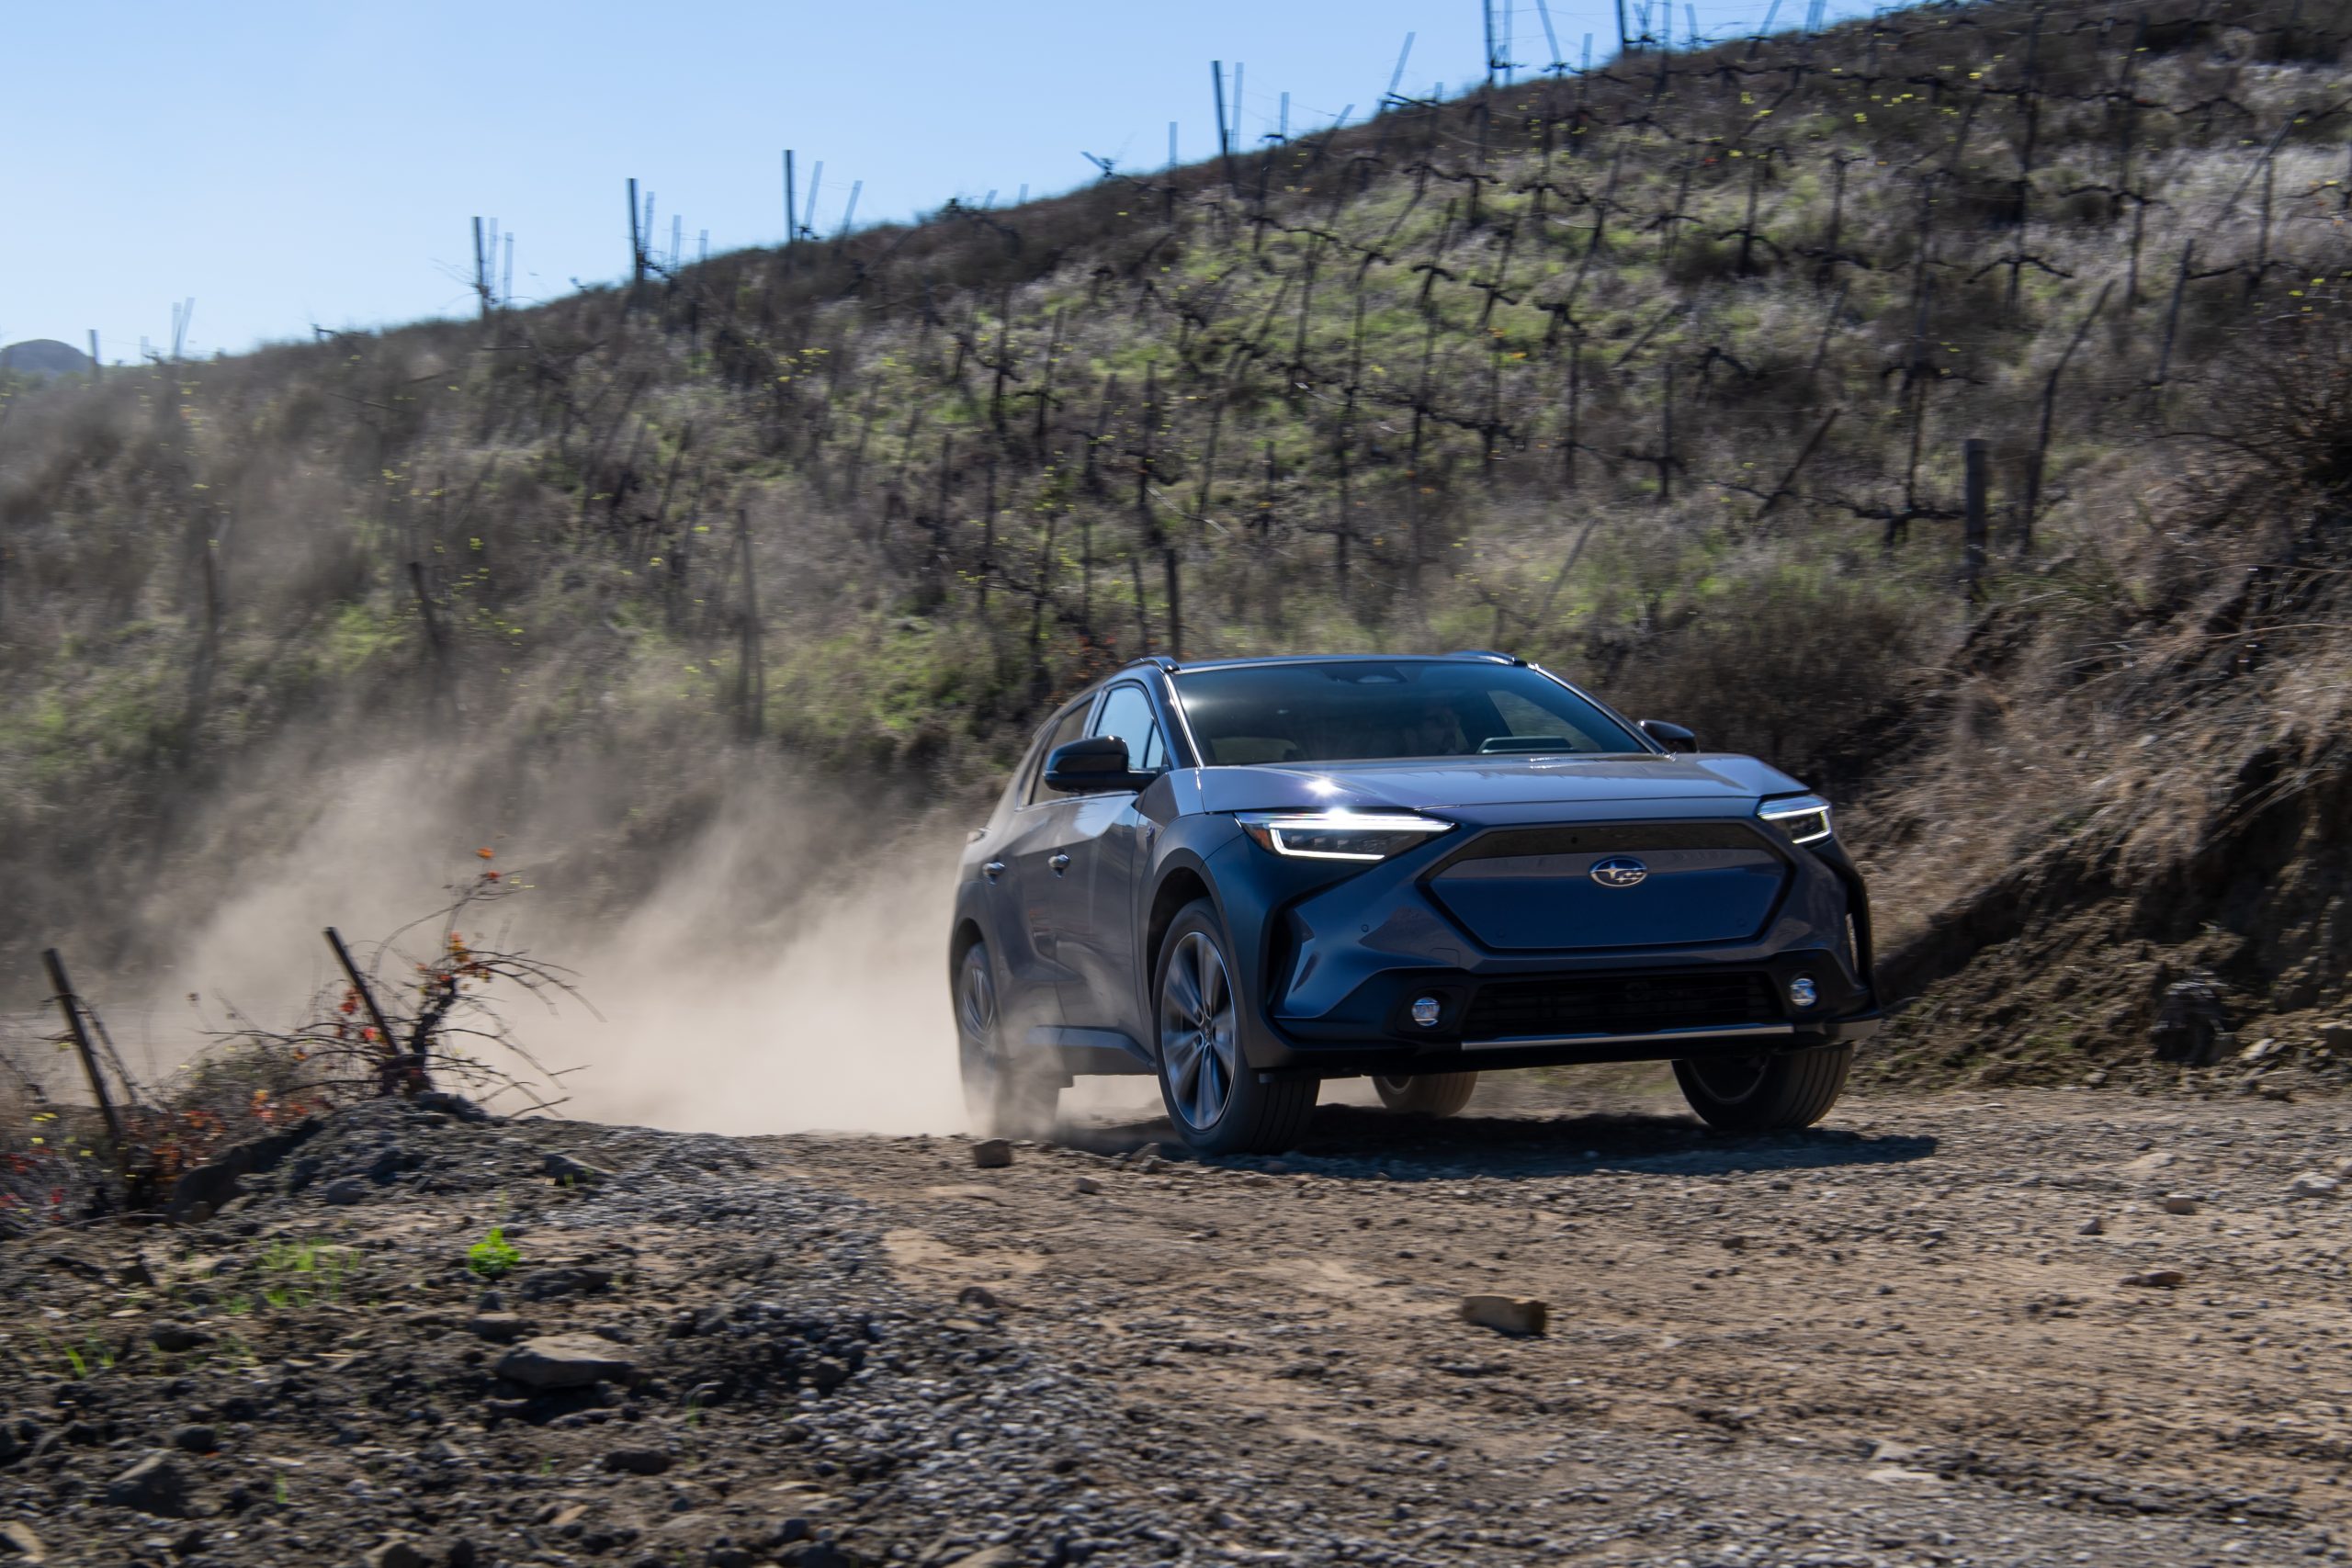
297 164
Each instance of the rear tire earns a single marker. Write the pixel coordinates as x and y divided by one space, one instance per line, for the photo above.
1004 1096
1215 1102
1432 1094
1765 1094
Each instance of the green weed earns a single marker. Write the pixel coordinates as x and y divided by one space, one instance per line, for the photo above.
493 1256
93 1353
304 1272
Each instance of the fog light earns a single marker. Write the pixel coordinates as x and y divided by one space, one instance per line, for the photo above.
1803 992
1425 1012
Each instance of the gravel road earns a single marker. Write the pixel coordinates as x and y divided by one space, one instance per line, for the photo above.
1906 1338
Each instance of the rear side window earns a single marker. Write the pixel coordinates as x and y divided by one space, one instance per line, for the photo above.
1070 727
1127 713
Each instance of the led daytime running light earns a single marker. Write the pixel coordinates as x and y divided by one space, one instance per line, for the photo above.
1338 834
1804 818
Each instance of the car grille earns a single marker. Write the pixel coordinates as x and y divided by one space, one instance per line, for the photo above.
1619 1004
1533 889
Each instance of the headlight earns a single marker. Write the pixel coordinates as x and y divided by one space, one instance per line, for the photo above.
1803 817
1339 835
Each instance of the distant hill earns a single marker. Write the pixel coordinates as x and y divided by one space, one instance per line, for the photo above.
1667 375
44 356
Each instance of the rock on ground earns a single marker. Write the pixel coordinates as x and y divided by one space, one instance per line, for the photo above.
564 1361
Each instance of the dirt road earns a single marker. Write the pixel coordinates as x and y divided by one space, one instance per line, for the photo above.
1902 1337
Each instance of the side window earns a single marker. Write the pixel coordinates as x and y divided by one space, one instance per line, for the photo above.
1070 727
1127 713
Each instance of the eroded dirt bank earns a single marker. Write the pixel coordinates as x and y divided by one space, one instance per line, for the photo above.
1904 1339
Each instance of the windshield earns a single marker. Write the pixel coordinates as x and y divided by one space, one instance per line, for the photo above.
1361 710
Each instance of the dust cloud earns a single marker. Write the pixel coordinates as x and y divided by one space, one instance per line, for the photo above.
835 1016
782 969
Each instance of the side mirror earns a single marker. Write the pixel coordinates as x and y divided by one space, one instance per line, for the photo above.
1096 765
1673 737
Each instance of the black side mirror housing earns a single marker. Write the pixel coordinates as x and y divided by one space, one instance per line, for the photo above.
1673 737
1096 765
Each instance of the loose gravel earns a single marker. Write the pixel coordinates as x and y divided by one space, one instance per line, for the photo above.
1912 1336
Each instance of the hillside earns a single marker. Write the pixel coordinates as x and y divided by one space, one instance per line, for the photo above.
1661 375
39 358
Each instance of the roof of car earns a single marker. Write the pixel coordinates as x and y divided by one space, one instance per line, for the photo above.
1172 666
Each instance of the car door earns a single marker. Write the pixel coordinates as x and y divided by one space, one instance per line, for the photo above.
1029 869
1107 850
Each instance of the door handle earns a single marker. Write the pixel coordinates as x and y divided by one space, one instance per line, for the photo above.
1060 864
993 870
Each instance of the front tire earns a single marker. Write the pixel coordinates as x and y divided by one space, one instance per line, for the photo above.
1004 1097
1765 1094
1217 1105
1432 1094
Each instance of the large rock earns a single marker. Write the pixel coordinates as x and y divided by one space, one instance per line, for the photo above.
456 1106
565 1360
2157 1279
345 1189
572 1172
198 1193
1507 1314
2191 1028
638 1461
576 1279
500 1327
824 1554
156 1484
173 1339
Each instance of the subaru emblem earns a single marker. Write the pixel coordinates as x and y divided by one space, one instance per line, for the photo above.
1619 871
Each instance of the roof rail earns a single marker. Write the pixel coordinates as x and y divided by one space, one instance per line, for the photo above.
1162 659
1485 653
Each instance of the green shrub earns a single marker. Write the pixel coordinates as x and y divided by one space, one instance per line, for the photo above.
493 1256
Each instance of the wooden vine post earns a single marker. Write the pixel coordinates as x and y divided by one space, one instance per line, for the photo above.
79 1031
394 1071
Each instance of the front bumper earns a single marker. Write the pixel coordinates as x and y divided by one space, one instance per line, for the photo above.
1340 963
1308 1057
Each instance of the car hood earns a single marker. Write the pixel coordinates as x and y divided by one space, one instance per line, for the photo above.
1484 781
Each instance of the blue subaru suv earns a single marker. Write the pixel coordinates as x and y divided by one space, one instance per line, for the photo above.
1245 876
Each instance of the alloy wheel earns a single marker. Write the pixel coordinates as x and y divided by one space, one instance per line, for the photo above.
976 1013
1199 1051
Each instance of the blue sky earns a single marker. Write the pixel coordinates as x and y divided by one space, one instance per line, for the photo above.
288 164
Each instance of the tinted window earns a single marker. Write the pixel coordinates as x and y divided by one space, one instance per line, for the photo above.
1070 727
1329 713
1127 713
